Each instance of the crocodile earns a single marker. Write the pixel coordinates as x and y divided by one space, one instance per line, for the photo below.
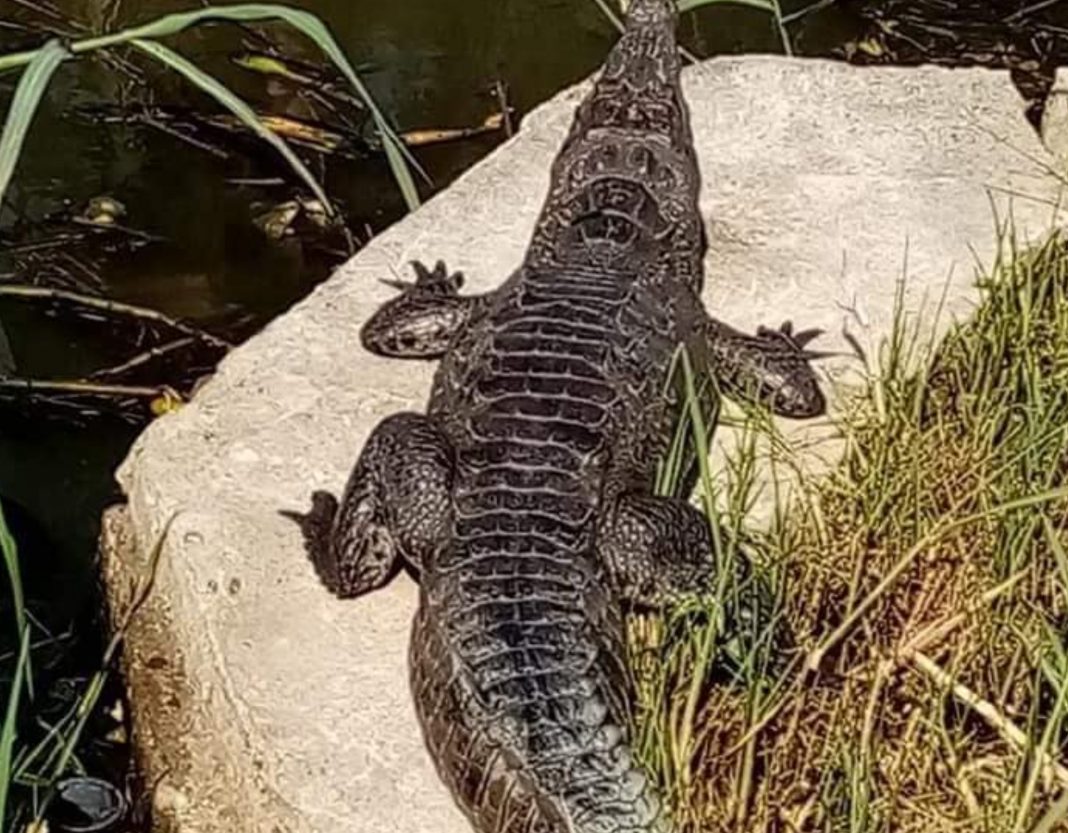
522 500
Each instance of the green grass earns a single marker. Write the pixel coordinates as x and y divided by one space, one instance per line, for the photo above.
39 66
925 584
675 654
8 731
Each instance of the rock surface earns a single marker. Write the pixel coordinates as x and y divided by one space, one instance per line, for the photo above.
261 704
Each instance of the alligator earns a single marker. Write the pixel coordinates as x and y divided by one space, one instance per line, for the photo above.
522 500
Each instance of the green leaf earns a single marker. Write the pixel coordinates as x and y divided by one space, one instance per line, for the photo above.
28 95
235 105
11 564
10 552
313 28
10 727
763 5
395 151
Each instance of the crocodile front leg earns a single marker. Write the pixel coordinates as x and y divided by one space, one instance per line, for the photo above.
422 321
773 367
395 509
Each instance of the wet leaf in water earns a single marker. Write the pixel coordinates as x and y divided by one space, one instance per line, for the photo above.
87 805
166 403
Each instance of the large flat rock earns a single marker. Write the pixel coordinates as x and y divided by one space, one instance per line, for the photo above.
262 704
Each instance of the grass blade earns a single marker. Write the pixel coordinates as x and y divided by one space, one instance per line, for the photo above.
71 735
1057 812
1057 548
314 29
95 688
397 153
946 525
770 6
32 85
9 730
14 575
200 79
11 564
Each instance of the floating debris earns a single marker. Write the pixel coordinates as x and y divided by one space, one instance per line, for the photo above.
278 220
222 135
101 211
167 402
435 136
86 805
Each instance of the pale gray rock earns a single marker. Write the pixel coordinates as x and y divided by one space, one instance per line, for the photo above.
264 705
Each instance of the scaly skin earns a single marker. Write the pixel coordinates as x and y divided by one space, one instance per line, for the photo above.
523 498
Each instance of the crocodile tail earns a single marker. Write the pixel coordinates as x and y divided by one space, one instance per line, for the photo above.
647 47
650 12
513 774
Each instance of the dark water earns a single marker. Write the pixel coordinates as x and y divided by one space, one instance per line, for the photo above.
428 63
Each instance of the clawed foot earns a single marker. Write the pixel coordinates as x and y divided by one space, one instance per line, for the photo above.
778 369
795 342
350 558
437 283
421 321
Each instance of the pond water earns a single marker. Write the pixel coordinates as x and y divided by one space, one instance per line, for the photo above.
429 64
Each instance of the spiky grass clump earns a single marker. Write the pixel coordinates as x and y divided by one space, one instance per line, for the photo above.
926 587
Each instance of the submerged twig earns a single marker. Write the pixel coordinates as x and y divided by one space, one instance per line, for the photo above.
57 387
112 308
143 358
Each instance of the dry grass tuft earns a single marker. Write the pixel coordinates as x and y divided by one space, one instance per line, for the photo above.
925 585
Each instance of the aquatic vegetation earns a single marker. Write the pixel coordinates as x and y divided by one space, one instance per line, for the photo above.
40 64
40 763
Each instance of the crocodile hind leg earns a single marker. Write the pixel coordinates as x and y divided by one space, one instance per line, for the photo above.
659 551
421 321
394 510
